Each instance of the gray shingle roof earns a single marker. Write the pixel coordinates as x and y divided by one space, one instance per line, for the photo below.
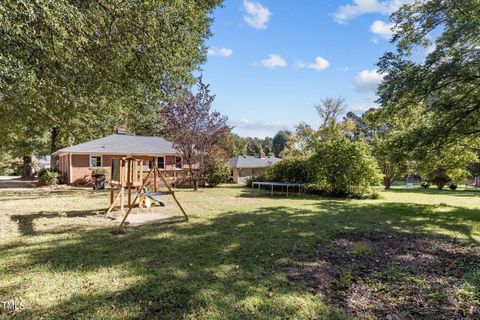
122 145
251 162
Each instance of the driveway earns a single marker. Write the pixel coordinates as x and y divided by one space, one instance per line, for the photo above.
15 182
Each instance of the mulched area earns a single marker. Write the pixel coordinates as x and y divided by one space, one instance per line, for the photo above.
395 276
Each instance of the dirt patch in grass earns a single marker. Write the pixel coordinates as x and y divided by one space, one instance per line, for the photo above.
395 276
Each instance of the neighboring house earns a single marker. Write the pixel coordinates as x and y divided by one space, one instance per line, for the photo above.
244 167
43 162
76 163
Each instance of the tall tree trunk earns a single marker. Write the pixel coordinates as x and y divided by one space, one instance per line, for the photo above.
54 147
27 168
387 182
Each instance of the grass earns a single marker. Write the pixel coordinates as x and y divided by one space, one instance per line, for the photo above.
60 259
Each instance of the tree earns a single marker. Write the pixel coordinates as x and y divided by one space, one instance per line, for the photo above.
76 69
447 82
217 169
195 131
280 142
449 164
386 133
342 167
267 145
330 109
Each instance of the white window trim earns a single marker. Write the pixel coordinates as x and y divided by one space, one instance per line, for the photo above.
181 161
90 160
164 164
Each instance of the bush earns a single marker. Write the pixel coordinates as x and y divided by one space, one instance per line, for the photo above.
440 178
375 195
343 168
48 177
295 169
217 173
453 186
425 184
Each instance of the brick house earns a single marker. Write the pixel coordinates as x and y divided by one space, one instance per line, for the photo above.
76 163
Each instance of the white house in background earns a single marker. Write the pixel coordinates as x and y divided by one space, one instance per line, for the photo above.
43 162
244 167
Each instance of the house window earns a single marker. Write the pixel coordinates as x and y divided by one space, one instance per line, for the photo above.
95 161
178 162
161 162
149 164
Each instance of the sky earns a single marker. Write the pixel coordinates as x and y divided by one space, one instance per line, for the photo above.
270 61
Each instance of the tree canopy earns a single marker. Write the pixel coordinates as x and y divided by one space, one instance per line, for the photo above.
447 82
77 69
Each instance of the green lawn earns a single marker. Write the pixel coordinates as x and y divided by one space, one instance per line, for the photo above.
60 259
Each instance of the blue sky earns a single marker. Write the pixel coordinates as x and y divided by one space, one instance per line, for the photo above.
271 61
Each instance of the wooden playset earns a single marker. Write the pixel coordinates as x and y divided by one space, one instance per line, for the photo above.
127 174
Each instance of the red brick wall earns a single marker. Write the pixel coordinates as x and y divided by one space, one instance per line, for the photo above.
81 171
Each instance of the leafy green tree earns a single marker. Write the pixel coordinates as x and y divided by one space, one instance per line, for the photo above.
386 133
447 82
342 167
267 145
76 69
451 164
330 109
280 142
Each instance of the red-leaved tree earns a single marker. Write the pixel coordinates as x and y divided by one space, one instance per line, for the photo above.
195 131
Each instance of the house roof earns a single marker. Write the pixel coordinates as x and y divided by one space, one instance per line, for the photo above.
120 144
252 162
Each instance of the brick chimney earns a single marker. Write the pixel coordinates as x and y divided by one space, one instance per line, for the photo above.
261 154
122 130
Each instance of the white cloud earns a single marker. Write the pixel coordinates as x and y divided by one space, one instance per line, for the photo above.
319 64
274 61
299 64
259 128
256 15
221 52
368 80
382 29
359 7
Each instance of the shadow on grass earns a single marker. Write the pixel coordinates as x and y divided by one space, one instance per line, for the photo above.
230 266
445 191
51 194
25 221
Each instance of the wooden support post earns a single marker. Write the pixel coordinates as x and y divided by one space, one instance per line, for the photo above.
129 184
154 175
111 193
173 194
112 204
122 198
134 200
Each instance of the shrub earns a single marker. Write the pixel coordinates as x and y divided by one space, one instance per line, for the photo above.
48 177
217 173
440 178
342 167
374 195
453 186
295 169
425 185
